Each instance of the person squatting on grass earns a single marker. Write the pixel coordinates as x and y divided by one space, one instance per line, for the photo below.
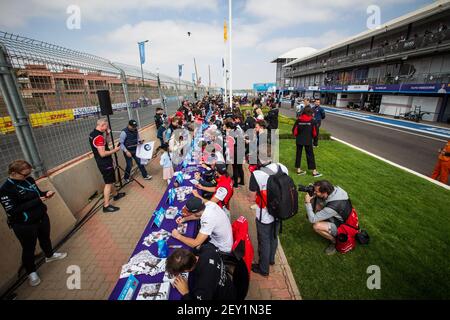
325 210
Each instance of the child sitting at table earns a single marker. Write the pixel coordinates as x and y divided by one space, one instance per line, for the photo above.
166 163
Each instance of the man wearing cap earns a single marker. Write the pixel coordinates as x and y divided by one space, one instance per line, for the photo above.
223 191
214 224
129 140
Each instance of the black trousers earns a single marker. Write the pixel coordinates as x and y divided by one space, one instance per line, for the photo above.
28 236
316 138
309 156
238 173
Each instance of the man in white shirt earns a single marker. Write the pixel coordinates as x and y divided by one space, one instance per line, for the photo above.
214 224
266 227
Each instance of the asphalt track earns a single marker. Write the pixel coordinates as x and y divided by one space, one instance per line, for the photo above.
414 150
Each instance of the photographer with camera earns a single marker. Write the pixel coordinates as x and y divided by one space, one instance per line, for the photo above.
327 208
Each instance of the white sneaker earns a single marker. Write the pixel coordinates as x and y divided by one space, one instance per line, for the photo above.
56 256
148 177
33 279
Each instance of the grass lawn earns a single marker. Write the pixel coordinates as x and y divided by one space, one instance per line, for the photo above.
408 220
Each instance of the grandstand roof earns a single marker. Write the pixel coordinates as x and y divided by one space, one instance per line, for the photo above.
429 10
295 54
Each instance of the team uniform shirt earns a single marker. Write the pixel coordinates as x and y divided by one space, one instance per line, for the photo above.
258 184
215 223
22 201
96 140
210 280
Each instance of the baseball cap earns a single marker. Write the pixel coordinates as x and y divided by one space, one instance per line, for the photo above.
221 168
194 205
133 123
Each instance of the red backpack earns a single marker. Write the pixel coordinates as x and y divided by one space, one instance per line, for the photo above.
242 246
346 233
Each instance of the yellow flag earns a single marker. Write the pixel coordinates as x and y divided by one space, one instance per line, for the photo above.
225 32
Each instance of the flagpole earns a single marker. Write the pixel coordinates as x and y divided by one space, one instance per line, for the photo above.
230 49
224 80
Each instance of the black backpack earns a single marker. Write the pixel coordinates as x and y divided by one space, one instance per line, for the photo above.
282 194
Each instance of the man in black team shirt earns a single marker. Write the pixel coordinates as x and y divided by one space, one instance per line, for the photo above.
103 157
208 279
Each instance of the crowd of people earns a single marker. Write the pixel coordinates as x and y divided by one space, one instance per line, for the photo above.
229 141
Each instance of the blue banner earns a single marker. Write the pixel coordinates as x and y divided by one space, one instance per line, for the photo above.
263 86
180 70
193 77
142 52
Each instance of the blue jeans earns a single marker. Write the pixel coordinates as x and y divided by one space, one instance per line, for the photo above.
130 164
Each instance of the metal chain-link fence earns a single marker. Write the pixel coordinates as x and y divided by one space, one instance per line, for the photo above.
57 88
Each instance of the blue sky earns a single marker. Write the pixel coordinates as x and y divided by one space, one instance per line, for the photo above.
262 30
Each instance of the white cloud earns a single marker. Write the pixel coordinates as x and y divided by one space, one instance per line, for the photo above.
287 13
169 46
18 13
278 46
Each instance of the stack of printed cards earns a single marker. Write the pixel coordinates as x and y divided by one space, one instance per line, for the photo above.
154 291
171 278
143 263
171 212
182 192
155 236
182 228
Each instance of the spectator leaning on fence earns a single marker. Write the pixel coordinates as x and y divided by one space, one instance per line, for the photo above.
26 212
103 158
129 141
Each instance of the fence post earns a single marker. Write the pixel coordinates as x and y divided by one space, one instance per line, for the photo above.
123 77
19 117
161 95
178 95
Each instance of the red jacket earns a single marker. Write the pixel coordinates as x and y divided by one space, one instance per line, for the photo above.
227 183
240 234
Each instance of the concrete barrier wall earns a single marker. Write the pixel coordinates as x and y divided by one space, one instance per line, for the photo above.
62 221
73 184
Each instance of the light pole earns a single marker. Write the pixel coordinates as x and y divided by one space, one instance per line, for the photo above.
141 46
180 71
195 68
161 94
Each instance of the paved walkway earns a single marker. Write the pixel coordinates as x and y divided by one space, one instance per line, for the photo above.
106 241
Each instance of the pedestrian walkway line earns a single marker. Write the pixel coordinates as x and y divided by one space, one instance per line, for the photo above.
423 128
394 164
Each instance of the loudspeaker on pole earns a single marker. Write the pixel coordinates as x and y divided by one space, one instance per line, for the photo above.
105 102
